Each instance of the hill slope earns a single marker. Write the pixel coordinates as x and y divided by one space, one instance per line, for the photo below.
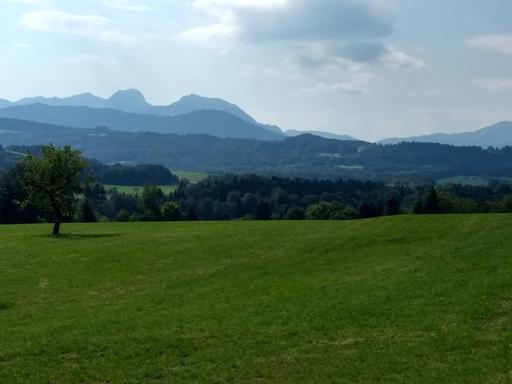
325 135
305 156
215 123
405 299
497 135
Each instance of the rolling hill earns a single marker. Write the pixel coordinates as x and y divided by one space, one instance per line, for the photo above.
7 159
325 135
497 135
410 299
303 156
215 123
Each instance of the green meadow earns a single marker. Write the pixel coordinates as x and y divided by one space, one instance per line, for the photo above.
137 189
408 299
193 177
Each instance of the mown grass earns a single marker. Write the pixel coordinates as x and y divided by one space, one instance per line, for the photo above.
413 299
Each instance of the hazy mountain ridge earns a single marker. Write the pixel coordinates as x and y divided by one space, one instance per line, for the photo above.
216 123
325 135
496 135
133 101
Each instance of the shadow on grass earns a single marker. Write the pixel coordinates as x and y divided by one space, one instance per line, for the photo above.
5 306
81 236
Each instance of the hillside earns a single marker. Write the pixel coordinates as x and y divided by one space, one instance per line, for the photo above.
405 299
216 123
497 135
302 156
7 159
325 135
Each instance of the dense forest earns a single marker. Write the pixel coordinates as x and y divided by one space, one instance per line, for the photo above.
305 156
251 197
7 159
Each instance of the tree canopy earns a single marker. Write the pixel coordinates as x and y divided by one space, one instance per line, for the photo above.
53 181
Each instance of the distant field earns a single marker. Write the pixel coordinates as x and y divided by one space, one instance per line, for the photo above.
471 180
166 189
192 176
133 190
412 299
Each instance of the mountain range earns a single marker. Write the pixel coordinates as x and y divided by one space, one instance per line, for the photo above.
105 112
497 135
133 101
215 123
128 110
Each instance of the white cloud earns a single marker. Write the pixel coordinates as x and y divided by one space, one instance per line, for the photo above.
21 44
355 86
208 33
209 5
126 5
317 34
92 26
400 60
29 2
495 43
294 20
495 83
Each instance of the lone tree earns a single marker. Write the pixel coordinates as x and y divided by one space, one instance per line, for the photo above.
53 181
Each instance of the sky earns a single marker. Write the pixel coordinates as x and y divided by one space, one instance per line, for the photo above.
367 68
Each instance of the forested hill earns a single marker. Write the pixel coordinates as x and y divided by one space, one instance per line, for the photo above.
304 156
7 159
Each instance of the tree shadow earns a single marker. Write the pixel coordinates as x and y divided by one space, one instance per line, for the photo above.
81 236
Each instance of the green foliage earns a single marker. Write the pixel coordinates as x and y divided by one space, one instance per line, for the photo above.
12 196
171 212
52 182
295 213
428 203
329 211
406 299
392 206
262 211
152 198
85 212
134 175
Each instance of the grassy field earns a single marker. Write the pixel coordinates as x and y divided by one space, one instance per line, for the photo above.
413 299
137 190
474 181
194 177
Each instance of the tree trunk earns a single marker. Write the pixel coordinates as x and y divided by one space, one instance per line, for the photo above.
56 227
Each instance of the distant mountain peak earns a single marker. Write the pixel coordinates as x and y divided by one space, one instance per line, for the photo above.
129 100
192 96
133 101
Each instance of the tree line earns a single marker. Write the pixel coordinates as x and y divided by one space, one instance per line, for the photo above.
56 186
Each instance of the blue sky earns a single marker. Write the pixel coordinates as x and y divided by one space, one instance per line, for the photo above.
367 68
